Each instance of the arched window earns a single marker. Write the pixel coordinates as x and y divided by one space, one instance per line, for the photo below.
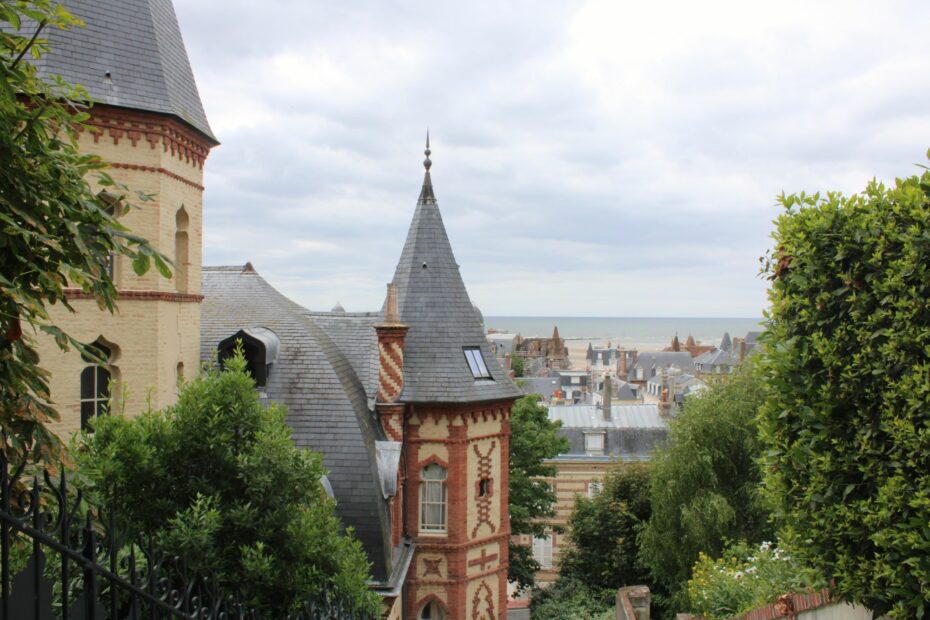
181 252
432 611
95 385
433 499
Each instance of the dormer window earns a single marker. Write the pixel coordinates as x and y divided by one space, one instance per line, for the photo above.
475 359
260 347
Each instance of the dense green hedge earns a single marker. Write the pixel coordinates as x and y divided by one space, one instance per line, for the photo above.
847 416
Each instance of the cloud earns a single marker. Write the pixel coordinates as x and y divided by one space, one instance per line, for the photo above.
600 158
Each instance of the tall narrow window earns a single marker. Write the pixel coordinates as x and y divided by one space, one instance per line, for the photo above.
112 208
181 251
542 551
433 499
475 359
95 386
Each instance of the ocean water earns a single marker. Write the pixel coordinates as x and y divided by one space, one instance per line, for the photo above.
644 333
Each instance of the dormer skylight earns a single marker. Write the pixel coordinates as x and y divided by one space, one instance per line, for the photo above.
475 359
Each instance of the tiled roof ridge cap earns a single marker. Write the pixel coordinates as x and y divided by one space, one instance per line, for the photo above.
246 268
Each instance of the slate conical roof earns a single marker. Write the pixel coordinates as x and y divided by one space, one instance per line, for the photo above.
433 302
129 54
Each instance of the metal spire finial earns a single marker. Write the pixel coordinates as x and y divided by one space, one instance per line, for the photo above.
426 162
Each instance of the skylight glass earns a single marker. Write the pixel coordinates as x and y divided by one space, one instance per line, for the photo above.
475 359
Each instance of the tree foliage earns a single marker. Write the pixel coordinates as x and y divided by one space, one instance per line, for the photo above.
518 365
705 482
55 230
533 439
603 531
217 478
847 418
568 599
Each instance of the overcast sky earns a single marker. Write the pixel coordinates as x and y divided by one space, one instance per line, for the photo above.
597 158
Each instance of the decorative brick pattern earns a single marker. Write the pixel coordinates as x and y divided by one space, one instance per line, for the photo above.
391 362
159 170
482 608
432 567
175 137
484 503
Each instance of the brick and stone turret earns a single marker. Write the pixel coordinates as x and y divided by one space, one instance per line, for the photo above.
391 336
456 426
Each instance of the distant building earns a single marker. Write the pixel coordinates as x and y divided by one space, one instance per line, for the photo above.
558 386
650 363
599 436
719 362
544 353
690 346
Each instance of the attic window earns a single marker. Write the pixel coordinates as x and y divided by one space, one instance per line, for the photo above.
260 348
475 359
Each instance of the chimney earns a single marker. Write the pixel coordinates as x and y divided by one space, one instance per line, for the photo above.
391 336
742 349
665 404
606 401
622 372
507 361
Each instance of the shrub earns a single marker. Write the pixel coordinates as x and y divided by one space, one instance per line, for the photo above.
745 578
847 415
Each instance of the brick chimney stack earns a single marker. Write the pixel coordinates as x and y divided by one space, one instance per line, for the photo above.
665 405
622 372
606 404
391 337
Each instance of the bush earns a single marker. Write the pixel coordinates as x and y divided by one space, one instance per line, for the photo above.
568 599
218 480
745 578
604 529
847 417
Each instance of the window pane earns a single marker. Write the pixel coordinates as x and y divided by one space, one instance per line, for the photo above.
103 382
482 367
87 412
472 364
88 375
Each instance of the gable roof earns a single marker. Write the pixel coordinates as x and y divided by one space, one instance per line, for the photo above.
138 43
433 302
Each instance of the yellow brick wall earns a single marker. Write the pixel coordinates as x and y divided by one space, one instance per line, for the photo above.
152 336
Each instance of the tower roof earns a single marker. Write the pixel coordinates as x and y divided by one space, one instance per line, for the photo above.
432 300
130 54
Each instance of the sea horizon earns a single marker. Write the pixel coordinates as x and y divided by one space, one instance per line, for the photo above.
642 332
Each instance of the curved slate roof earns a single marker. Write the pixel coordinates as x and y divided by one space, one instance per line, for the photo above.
315 377
432 300
139 43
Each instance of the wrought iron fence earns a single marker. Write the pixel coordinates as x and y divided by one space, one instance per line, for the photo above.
63 558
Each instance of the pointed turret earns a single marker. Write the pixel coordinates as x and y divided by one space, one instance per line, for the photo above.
445 331
676 345
725 343
130 54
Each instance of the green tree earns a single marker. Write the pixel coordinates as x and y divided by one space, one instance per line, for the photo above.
705 483
847 418
604 530
217 478
518 365
533 439
568 599
55 230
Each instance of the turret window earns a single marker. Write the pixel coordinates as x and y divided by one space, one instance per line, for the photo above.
475 359
433 499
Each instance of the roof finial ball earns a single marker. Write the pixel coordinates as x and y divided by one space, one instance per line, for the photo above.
426 162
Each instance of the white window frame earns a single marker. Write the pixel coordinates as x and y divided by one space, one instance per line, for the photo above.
542 551
595 443
434 493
